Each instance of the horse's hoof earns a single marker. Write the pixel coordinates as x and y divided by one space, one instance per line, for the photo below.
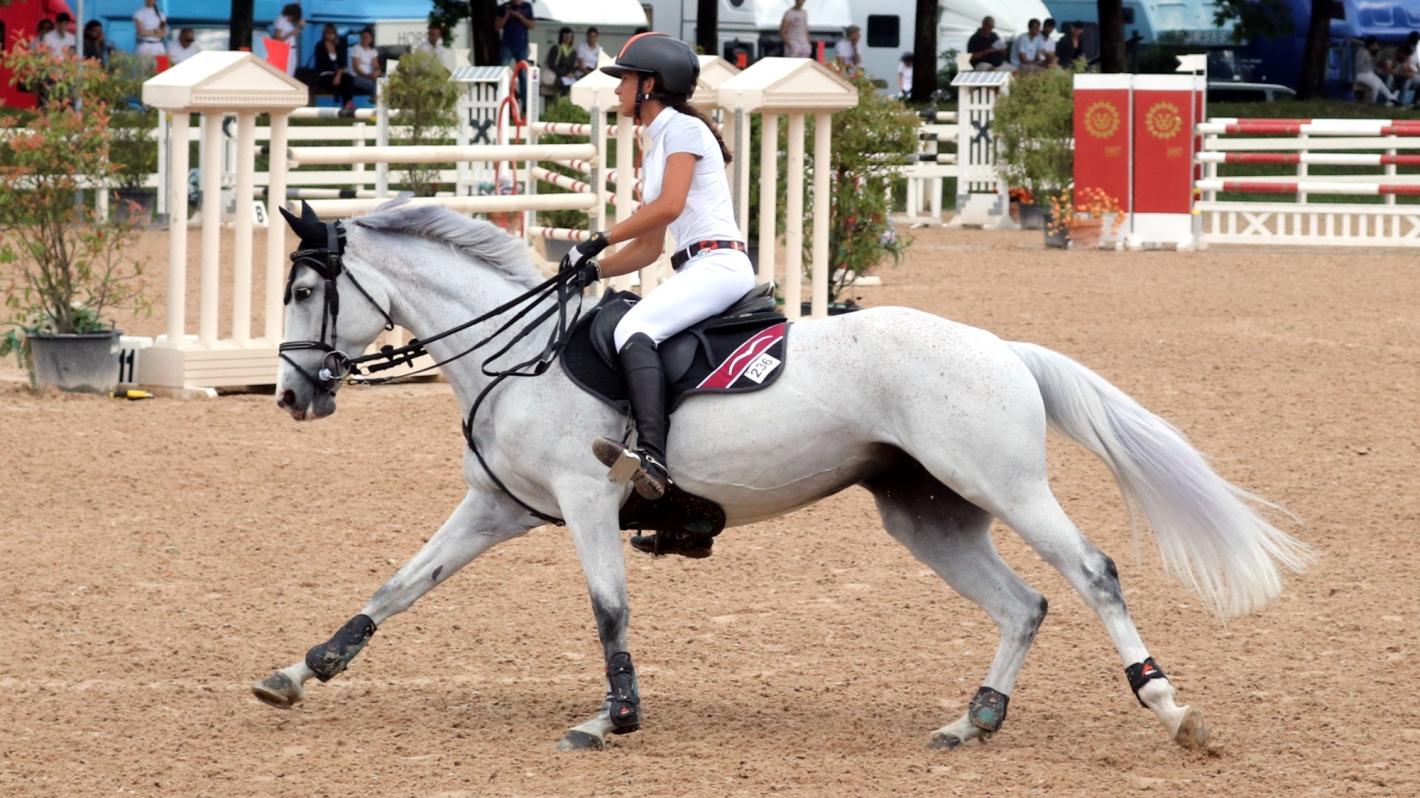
944 742
278 690
1192 732
580 741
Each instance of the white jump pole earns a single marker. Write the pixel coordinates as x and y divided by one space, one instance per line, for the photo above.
276 225
768 180
741 166
794 218
439 153
211 224
176 189
625 165
241 255
823 136
596 221
382 138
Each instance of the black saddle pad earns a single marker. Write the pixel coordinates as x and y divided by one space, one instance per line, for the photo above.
735 354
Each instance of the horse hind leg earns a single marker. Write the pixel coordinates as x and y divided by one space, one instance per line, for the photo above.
1038 518
952 537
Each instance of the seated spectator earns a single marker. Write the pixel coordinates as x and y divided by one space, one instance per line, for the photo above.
561 62
848 54
986 49
151 28
1071 46
1028 50
365 63
185 47
60 40
434 43
589 52
96 45
331 75
1374 89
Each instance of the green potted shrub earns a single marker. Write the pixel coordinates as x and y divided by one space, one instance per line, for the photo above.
61 268
1034 129
421 91
860 234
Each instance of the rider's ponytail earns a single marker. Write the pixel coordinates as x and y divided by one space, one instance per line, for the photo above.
679 104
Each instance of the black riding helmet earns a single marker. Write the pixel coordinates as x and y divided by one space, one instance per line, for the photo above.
669 59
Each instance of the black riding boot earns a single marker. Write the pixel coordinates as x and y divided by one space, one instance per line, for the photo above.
646 386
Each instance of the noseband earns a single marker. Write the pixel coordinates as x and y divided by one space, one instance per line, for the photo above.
326 262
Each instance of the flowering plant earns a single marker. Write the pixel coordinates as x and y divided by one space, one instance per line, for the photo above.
1022 195
61 265
1070 208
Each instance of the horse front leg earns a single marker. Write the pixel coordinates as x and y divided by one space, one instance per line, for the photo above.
597 535
480 522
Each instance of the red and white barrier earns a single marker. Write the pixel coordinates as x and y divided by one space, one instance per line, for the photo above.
1246 186
1310 158
1310 127
558 233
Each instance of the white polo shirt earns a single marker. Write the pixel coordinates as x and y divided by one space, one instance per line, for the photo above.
709 212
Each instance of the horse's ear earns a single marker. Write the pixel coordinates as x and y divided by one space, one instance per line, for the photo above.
309 216
292 220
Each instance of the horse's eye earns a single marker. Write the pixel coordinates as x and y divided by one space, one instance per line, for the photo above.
302 294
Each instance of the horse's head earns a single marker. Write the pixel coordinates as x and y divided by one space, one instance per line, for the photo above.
331 316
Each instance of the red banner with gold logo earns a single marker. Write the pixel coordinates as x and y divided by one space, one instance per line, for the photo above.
1102 135
1163 143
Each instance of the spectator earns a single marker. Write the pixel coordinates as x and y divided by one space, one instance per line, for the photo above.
151 28
904 77
560 63
96 46
1071 47
365 62
589 52
1028 50
185 47
794 31
331 75
60 40
986 49
847 54
1409 69
1366 75
287 28
42 31
1047 29
515 19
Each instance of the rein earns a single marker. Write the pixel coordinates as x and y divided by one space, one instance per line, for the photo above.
337 367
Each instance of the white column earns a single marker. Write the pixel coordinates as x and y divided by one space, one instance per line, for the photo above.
241 254
936 198
596 218
823 137
211 167
161 207
176 189
625 181
275 224
794 218
742 156
768 193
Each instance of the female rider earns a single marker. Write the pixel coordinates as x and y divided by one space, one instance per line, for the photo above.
686 192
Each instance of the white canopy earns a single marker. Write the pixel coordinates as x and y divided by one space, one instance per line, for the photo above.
606 13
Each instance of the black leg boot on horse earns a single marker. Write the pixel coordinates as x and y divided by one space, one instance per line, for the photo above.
645 465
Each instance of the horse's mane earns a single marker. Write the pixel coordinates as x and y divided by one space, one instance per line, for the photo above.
475 238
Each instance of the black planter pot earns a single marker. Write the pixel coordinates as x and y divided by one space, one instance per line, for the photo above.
80 362
1032 216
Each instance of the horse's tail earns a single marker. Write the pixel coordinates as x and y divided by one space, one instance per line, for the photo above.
1209 535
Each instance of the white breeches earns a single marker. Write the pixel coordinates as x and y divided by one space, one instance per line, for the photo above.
706 285
1375 87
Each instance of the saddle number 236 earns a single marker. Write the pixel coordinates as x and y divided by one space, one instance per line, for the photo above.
761 367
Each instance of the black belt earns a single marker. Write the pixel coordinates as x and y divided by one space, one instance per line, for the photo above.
678 260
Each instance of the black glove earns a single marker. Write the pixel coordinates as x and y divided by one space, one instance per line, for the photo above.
581 260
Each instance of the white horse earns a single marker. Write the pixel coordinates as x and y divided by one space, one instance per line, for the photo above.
945 424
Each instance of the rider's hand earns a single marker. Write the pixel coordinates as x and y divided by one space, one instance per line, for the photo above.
584 251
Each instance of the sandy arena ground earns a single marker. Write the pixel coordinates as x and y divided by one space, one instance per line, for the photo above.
161 555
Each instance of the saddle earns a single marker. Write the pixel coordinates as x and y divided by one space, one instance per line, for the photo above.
741 350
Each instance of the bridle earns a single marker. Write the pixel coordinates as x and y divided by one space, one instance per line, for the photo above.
337 367
328 263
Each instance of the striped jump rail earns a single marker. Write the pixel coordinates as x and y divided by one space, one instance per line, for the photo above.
1308 187
1311 127
1310 158
565 129
440 153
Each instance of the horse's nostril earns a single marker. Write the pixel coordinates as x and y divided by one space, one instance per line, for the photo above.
286 399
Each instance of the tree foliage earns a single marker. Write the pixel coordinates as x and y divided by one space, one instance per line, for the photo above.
1253 18
421 91
1034 129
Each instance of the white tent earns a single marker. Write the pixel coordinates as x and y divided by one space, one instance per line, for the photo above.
961 18
823 14
580 13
